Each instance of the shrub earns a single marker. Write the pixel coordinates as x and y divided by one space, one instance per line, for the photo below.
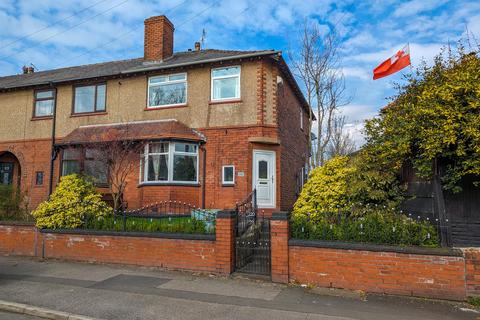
326 188
374 226
74 198
12 204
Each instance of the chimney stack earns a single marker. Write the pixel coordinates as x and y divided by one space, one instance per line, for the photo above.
158 42
197 46
28 69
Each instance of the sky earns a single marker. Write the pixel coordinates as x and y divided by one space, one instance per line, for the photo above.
51 34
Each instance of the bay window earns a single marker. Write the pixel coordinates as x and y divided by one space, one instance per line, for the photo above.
226 83
168 90
169 162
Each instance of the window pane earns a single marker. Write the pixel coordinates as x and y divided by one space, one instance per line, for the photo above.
185 147
101 97
71 154
184 168
158 148
225 88
97 170
177 77
43 108
158 168
226 72
167 94
158 79
84 99
70 167
227 174
44 94
263 169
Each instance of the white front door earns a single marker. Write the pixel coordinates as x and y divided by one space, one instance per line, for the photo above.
264 177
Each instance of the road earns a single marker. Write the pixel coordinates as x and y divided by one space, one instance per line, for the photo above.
119 292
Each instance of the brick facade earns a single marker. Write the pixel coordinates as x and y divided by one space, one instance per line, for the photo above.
294 143
472 267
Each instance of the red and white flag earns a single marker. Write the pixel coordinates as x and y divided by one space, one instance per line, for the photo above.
394 64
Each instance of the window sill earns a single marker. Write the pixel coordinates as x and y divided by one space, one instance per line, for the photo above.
41 118
87 114
227 185
166 107
168 184
213 102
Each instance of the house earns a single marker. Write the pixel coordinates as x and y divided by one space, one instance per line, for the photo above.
218 123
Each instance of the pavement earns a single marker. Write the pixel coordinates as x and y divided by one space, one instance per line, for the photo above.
14 316
122 292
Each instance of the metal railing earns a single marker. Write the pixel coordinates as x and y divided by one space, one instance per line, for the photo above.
246 213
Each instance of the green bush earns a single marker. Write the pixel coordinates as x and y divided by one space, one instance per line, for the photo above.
374 226
164 224
74 198
13 206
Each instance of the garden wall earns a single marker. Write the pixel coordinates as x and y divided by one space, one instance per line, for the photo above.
372 269
205 253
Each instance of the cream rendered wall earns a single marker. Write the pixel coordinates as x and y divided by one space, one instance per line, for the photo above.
126 101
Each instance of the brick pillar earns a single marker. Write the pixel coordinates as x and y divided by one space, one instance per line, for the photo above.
472 269
279 233
225 241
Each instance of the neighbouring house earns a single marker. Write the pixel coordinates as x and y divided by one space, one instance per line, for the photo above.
217 123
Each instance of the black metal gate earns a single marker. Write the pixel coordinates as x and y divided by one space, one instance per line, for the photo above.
252 245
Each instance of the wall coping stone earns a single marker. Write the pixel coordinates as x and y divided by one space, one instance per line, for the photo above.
17 223
180 236
226 214
280 215
375 247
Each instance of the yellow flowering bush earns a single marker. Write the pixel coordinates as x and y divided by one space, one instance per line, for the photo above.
326 188
73 199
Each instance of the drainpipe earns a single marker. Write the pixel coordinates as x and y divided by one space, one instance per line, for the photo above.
204 169
53 155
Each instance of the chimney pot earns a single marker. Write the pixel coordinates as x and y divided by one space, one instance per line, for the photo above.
158 42
197 46
28 70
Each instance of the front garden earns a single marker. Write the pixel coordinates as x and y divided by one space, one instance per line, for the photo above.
76 204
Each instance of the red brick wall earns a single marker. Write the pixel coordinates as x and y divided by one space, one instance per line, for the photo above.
279 250
33 156
472 267
294 143
158 41
18 239
195 255
383 272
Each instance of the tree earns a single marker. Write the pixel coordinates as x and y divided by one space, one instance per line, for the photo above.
317 66
342 143
435 117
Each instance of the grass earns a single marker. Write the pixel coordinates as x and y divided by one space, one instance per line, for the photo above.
474 301
163 224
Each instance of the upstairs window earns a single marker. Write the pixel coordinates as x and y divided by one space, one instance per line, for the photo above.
301 118
90 99
169 162
168 90
226 83
44 103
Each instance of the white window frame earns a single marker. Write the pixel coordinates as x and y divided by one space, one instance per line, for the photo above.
228 183
171 153
167 83
212 78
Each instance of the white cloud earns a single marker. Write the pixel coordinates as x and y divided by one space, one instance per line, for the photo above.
415 7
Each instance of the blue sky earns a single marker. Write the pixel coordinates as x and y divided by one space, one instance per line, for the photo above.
104 30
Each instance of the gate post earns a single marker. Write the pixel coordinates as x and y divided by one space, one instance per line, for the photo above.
225 241
279 232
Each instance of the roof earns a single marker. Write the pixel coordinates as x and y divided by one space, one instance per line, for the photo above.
139 130
123 67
